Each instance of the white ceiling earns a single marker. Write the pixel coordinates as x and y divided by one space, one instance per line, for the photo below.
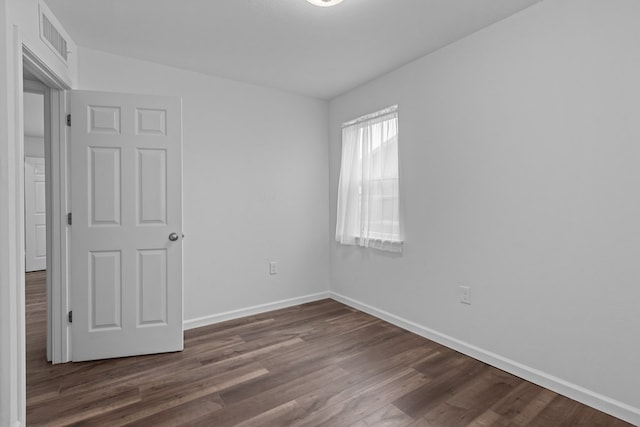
286 44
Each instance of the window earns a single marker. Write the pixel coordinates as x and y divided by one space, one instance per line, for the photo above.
368 192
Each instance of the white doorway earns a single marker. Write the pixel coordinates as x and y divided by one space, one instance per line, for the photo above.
37 139
45 194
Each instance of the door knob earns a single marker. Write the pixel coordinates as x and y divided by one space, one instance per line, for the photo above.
173 237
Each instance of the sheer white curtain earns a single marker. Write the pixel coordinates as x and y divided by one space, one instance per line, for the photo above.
368 191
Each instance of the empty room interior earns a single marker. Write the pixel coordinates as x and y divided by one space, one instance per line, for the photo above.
320 212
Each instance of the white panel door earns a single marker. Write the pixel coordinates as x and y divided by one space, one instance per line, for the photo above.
35 214
126 236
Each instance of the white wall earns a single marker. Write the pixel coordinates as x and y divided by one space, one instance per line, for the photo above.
519 149
33 114
255 184
33 118
33 146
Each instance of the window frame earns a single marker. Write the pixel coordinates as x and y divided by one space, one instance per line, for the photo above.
346 233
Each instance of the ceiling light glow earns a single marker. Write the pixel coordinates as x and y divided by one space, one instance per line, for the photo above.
324 3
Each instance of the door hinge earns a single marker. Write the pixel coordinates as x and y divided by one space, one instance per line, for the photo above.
68 119
69 219
70 316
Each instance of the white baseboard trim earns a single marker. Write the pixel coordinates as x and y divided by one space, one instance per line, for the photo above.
250 311
603 403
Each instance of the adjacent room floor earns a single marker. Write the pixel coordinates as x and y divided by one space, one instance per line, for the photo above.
321 363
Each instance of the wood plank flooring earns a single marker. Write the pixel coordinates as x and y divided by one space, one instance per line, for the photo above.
318 364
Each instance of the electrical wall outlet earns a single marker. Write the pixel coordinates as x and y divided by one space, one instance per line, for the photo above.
273 268
465 295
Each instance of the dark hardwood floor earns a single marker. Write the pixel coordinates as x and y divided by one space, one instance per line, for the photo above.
316 364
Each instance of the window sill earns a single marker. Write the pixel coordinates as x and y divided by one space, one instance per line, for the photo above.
380 244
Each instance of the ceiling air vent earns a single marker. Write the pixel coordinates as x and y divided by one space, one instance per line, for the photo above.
51 36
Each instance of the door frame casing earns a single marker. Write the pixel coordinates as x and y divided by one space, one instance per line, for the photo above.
57 197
